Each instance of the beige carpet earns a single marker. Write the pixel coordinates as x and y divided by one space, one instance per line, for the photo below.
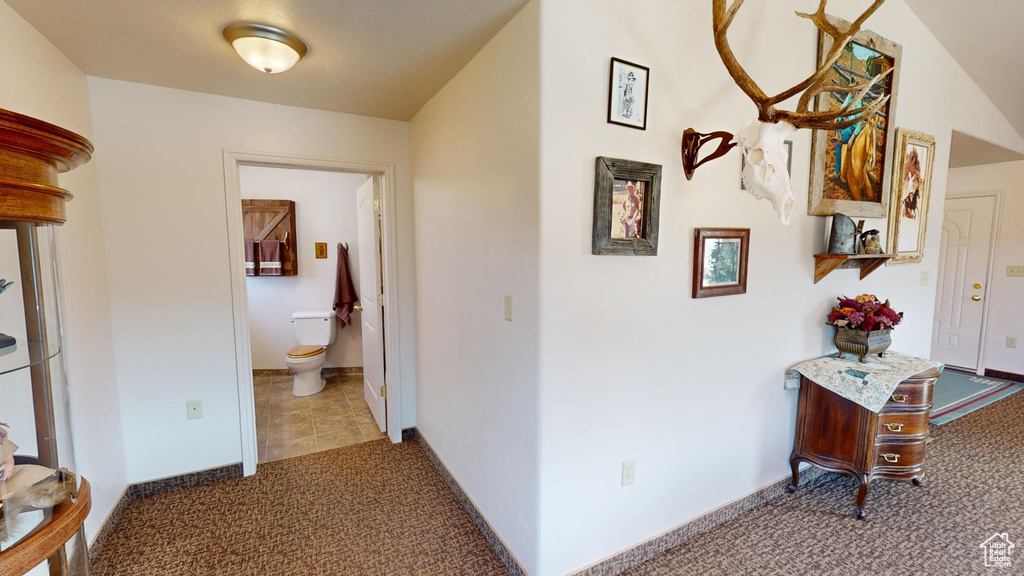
370 509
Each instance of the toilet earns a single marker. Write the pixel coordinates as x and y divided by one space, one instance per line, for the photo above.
316 331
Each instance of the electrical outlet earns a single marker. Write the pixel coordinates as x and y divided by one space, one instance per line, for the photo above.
628 471
1011 341
925 276
194 408
508 308
1015 270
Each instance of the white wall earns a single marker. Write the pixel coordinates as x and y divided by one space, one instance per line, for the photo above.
475 161
1006 307
39 81
631 366
162 183
325 211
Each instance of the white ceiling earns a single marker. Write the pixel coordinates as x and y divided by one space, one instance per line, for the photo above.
987 38
381 58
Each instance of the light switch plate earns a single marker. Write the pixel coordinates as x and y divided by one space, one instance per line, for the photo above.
925 276
1015 270
508 308
194 409
1011 341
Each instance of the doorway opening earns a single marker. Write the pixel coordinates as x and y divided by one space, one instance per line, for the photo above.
334 392
974 309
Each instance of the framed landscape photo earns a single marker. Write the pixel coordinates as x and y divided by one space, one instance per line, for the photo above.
911 185
627 97
627 198
720 261
850 167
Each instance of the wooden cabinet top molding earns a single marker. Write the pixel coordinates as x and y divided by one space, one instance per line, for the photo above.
32 153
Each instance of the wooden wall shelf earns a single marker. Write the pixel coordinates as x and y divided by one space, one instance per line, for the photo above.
825 263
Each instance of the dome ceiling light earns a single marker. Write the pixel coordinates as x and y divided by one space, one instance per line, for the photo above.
265 48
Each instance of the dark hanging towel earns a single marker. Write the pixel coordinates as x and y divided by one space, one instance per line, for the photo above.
251 260
270 258
345 297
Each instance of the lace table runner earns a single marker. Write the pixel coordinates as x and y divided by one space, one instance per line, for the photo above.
869 383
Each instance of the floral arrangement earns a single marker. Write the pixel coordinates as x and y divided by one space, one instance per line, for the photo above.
865 312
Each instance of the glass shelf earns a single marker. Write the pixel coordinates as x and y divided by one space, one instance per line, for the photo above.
25 354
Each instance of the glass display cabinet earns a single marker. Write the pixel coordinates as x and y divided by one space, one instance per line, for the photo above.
43 502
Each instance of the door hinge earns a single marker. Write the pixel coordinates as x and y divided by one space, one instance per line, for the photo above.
383 391
380 300
376 204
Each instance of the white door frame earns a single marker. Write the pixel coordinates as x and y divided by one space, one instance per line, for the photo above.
997 218
239 298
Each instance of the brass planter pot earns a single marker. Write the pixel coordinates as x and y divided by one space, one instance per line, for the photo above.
861 343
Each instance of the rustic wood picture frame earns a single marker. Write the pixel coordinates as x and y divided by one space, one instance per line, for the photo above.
899 201
614 87
702 289
822 152
606 172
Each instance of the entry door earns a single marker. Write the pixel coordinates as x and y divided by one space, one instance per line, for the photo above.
369 297
963 272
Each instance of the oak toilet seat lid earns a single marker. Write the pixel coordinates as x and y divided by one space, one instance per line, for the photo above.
305 351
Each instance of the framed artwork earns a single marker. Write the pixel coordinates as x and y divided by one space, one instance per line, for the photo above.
627 198
720 261
627 97
912 185
789 162
850 168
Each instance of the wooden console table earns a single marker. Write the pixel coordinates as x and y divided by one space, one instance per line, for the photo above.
841 436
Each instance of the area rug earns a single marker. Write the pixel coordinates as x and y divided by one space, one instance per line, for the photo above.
958 393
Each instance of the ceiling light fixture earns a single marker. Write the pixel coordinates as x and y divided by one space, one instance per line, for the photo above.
265 48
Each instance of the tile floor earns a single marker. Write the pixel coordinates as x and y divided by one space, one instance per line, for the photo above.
287 426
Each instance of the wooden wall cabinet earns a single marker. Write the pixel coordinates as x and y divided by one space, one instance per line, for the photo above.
273 220
841 436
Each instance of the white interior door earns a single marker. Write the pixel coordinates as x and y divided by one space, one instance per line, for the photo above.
963 273
369 297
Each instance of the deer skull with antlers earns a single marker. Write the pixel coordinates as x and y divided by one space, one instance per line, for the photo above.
762 140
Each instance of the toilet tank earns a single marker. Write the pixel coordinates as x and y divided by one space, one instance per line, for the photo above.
316 327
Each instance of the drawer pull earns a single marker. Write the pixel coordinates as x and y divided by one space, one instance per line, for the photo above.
899 398
895 426
891 458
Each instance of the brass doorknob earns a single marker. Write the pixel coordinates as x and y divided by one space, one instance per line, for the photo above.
976 298
977 286
357 308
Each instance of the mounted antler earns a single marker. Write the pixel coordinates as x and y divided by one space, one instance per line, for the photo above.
762 139
815 84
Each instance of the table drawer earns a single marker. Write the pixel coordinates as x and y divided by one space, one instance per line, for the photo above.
902 425
899 454
910 395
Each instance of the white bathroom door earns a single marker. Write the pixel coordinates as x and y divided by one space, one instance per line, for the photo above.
963 273
372 316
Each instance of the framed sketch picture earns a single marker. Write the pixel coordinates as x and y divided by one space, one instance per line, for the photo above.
627 98
720 261
850 167
911 185
627 198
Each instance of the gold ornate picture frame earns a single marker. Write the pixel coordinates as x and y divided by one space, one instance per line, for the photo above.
913 164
